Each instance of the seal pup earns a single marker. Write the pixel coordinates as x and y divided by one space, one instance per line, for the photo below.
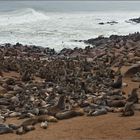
128 109
118 82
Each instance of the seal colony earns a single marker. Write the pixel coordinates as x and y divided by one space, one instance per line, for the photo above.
50 86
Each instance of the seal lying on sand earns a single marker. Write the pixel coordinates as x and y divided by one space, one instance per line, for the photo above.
24 129
38 119
69 114
97 112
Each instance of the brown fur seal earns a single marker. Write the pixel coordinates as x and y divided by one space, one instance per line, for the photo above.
133 97
48 118
31 121
118 82
24 129
98 112
5 129
128 109
116 103
38 119
69 114
58 107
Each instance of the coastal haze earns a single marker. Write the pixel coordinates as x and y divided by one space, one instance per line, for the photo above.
56 24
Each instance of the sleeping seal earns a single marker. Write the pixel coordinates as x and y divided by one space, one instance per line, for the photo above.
38 119
69 114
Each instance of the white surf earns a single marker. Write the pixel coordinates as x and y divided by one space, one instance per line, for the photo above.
57 30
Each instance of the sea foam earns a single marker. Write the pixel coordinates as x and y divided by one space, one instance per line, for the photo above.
58 29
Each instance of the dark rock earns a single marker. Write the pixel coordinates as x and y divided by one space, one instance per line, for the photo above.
135 20
109 22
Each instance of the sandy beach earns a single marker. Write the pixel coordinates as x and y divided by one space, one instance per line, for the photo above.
106 126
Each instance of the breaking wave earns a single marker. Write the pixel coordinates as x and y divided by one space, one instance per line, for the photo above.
21 16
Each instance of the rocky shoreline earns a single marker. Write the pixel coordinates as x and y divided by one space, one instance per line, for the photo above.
50 86
131 21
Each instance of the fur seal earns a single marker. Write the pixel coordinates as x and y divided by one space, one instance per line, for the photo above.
26 115
133 97
31 121
24 129
28 128
118 82
98 112
13 126
38 119
128 109
116 103
48 118
14 114
69 114
58 107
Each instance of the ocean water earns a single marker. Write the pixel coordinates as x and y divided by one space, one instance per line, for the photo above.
56 24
